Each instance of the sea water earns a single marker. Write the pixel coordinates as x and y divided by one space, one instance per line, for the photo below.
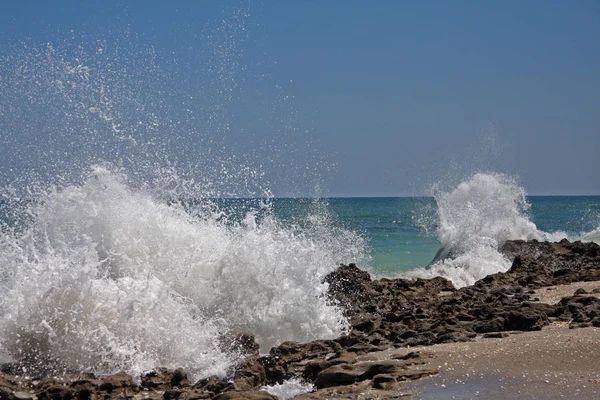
134 234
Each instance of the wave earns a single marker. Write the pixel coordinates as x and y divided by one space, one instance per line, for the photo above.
592 236
474 220
109 277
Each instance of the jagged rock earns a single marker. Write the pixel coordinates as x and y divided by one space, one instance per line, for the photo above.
249 375
214 385
581 311
164 379
384 381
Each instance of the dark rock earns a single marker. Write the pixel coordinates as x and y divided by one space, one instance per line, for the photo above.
214 385
55 392
249 375
247 395
244 343
164 379
525 319
117 382
347 285
171 394
493 325
384 381
495 335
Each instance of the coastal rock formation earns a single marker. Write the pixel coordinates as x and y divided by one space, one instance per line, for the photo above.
387 317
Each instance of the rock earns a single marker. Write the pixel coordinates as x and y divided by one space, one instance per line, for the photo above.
338 375
525 319
118 382
247 395
384 381
8 382
164 379
243 343
55 392
494 325
580 310
347 285
344 374
171 394
249 375
214 385
495 335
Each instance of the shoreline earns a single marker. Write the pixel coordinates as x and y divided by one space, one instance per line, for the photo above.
556 362
530 332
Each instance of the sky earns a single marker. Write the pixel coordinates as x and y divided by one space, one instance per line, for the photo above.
384 98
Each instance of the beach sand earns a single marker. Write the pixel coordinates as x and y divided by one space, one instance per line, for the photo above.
553 294
556 362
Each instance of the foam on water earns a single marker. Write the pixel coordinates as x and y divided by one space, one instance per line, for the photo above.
592 236
290 388
474 220
108 277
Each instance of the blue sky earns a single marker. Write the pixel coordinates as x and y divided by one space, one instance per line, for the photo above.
391 96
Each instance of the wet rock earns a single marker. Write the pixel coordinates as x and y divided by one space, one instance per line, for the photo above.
119 382
495 335
244 343
345 374
249 375
164 379
214 385
347 285
247 395
55 392
384 381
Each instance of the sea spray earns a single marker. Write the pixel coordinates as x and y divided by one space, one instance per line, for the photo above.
474 220
117 247
107 277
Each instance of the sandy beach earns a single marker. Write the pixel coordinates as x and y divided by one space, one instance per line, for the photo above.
556 362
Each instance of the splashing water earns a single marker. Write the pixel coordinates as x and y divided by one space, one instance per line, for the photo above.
112 254
592 236
107 277
289 389
474 220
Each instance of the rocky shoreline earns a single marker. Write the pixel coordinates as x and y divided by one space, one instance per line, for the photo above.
388 318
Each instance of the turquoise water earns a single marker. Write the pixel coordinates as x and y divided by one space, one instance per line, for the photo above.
401 232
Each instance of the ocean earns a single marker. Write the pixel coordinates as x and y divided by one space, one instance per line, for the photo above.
401 231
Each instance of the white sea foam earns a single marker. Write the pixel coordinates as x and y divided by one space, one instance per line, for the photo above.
475 219
290 388
592 236
107 277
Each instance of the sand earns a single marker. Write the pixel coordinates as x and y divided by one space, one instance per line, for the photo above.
553 294
554 363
